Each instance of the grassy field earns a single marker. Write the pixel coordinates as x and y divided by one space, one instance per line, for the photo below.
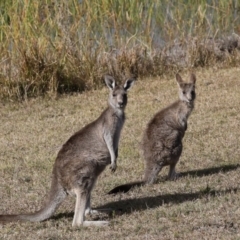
202 204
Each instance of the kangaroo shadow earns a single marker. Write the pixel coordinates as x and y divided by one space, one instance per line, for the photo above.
210 171
128 206
202 172
140 204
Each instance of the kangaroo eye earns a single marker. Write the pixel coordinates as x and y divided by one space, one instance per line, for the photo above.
184 92
114 95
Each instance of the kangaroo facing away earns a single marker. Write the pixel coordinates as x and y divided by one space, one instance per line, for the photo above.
82 159
162 139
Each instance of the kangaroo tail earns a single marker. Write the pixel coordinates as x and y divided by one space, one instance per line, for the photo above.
126 187
55 198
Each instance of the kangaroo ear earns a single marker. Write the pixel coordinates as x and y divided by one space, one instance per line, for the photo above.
110 82
193 78
128 84
179 79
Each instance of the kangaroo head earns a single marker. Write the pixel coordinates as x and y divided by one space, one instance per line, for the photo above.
186 89
118 94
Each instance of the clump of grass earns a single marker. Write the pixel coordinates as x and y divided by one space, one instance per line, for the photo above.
57 47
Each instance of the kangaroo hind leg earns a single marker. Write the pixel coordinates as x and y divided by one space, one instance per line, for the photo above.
172 174
90 211
151 172
82 199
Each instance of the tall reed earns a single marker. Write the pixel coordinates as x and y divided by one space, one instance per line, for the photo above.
52 46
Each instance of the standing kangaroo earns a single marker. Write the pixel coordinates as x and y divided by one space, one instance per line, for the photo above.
82 159
162 139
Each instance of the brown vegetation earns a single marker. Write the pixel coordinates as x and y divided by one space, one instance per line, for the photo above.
50 47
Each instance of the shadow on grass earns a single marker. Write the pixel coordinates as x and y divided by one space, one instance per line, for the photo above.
140 204
210 171
128 206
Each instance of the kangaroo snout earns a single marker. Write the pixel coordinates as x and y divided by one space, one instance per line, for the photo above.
191 96
121 100
121 104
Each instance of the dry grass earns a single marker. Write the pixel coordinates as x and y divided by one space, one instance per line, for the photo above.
202 204
50 47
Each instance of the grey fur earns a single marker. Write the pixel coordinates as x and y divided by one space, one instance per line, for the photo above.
83 158
162 139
